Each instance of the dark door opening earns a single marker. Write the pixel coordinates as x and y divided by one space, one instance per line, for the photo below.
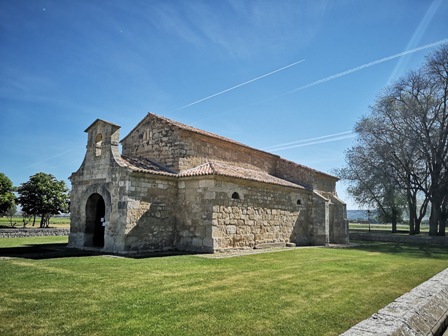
95 221
98 230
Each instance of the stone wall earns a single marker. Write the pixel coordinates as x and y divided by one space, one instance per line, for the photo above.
395 238
19 233
155 139
196 197
99 175
305 176
136 210
210 219
150 221
320 220
423 311
181 149
201 149
338 222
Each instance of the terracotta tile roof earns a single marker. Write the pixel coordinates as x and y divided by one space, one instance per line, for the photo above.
227 169
145 166
215 136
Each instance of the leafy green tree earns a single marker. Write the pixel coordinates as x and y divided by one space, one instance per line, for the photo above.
43 195
7 197
10 214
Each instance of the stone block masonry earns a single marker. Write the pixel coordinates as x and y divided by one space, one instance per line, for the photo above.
178 187
423 311
20 233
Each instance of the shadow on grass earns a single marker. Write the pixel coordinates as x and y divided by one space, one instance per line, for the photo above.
60 250
408 250
44 251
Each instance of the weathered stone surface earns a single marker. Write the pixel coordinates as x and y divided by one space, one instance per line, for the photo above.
165 192
19 233
422 311
269 245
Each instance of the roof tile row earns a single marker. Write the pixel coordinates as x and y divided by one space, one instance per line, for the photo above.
210 168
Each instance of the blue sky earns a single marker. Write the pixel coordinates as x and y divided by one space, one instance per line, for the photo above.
290 77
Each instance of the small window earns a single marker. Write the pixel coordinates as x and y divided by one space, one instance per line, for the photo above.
235 195
299 202
98 143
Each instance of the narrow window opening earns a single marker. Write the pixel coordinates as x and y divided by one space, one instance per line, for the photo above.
299 202
98 143
235 195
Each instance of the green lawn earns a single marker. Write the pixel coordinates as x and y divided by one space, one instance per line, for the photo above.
59 222
307 291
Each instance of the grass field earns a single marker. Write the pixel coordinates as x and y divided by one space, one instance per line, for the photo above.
305 291
404 228
59 222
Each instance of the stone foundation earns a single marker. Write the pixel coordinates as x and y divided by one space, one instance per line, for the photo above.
20 233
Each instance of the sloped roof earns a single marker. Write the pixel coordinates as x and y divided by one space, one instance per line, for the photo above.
101 120
215 136
227 169
144 165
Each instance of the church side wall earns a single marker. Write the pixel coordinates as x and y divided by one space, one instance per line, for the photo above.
200 149
325 183
150 205
211 220
291 171
263 214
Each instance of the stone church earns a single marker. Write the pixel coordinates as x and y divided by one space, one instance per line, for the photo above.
175 187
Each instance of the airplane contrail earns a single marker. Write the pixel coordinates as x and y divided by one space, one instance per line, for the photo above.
367 65
319 140
237 86
416 37
308 140
50 158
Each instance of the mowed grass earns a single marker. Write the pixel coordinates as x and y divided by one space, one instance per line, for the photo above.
55 222
304 291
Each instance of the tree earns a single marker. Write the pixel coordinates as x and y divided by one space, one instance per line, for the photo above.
10 214
43 196
371 183
7 197
436 139
406 138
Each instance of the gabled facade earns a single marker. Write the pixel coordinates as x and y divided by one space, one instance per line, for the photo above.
175 187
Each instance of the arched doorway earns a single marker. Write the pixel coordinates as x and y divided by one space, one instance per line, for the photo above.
95 221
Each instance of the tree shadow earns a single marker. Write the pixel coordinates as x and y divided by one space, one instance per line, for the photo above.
404 249
44 251
60 250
